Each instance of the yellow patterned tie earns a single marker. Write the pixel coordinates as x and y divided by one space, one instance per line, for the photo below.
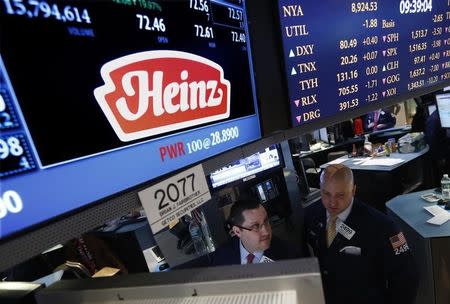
331 230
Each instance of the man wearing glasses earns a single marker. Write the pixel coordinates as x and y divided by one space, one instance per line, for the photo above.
253 242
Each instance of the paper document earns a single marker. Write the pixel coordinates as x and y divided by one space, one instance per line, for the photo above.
439 220
338 160
435 210
440 215
382 161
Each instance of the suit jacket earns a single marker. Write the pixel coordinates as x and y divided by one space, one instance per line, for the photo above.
382 272
229 253
385 118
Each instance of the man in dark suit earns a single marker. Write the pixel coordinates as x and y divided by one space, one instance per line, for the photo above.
379 120
363 256
253 242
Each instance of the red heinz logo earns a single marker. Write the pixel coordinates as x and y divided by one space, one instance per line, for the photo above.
155 92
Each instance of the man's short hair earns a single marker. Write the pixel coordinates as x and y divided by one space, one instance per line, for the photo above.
236 214
337 172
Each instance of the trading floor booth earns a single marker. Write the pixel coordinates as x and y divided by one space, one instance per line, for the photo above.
102 100
430 244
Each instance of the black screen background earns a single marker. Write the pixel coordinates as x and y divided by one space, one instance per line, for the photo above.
54 74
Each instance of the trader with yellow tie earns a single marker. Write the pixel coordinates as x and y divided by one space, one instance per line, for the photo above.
363 256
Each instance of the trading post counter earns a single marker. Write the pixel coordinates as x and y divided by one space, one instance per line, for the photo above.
430 245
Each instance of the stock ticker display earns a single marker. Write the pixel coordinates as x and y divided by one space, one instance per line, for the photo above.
100 96
340 55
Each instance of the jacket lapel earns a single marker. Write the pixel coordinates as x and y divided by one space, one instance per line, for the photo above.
321 229
236 252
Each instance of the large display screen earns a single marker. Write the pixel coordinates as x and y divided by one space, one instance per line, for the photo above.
443 105
341 55
99 96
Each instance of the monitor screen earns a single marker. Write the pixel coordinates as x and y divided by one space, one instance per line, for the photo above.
443 105
343 55
431 109
245 167
100 96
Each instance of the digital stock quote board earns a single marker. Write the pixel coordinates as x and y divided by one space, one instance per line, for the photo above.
100 96
341 55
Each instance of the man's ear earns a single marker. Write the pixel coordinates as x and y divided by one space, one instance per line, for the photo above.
354 190
237 231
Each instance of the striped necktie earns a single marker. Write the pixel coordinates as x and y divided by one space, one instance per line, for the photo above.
331 230
250 258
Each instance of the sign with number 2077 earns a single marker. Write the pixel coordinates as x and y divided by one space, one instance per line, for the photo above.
176 196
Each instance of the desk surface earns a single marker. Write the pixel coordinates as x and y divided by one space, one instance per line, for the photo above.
367 163
409 207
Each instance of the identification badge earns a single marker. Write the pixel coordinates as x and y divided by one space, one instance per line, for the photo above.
345 230
265 259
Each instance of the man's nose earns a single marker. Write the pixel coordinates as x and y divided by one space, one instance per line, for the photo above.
265 229
333 202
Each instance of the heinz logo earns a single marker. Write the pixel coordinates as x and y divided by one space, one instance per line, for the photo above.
155 92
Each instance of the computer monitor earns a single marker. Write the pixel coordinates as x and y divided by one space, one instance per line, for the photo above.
269 159
99 97
443 106
290 282
431 109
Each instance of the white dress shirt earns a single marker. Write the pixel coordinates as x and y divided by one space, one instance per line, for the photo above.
244 253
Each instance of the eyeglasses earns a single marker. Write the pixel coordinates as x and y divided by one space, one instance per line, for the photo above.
256 227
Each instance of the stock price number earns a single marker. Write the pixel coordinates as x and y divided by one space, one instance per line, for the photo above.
371 40
348 44
419 34
438 18
360 7
370 23
10 202
436 43
14 155
343 76
415 6
237 37
235 14
351 59
370 55
417 72
372 70
203 31
347 90
348 104
435 56
434 68
145 23
372 97
373 83
42 9
199 5
433 79
437 31
224 136
417 47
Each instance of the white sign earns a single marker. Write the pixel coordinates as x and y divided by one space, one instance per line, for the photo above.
345 230
265 259
176 196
